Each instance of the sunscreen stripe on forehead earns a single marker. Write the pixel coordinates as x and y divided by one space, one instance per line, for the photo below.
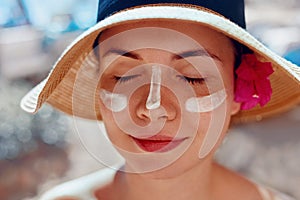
206 103
153 100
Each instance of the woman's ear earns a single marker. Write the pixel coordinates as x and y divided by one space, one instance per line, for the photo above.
235 107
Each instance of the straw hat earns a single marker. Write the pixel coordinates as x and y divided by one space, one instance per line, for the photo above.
71 85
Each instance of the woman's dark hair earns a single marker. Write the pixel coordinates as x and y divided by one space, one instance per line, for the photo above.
239 51
95 45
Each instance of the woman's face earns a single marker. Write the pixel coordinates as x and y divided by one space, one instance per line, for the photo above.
165 92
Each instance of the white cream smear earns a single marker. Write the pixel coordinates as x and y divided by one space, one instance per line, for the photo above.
206 103
153 100
113 101
118 102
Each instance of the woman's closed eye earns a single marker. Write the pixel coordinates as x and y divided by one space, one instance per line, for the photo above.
124 79
191 80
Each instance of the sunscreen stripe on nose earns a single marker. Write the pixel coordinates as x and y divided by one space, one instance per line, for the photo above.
153 100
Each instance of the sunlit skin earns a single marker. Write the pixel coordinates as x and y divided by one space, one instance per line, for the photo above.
188 177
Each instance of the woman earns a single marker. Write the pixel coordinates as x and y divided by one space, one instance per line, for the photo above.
167 78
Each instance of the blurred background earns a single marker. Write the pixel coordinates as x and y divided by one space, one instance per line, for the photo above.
42 150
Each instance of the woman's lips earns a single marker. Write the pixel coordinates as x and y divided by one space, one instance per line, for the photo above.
157 143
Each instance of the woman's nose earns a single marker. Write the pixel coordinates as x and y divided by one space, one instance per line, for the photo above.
166 109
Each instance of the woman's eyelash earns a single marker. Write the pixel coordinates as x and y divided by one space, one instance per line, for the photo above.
123 79
193 81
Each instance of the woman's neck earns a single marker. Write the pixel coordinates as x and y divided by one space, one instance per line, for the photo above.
194 183
208 181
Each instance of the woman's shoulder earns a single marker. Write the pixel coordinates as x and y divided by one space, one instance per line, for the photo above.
81 188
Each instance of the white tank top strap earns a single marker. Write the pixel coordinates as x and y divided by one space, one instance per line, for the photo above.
265 193
271 194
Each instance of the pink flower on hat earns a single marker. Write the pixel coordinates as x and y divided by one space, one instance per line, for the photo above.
252 85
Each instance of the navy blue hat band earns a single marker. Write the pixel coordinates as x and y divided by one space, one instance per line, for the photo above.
231 9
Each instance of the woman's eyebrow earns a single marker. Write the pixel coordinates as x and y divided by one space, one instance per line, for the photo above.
177 56
197 52
122 52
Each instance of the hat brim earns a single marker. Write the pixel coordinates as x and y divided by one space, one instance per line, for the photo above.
58 88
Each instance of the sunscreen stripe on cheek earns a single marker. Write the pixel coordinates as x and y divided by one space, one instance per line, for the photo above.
206 103
113 101
153 100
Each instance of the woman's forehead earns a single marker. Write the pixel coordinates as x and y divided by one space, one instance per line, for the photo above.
174 36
